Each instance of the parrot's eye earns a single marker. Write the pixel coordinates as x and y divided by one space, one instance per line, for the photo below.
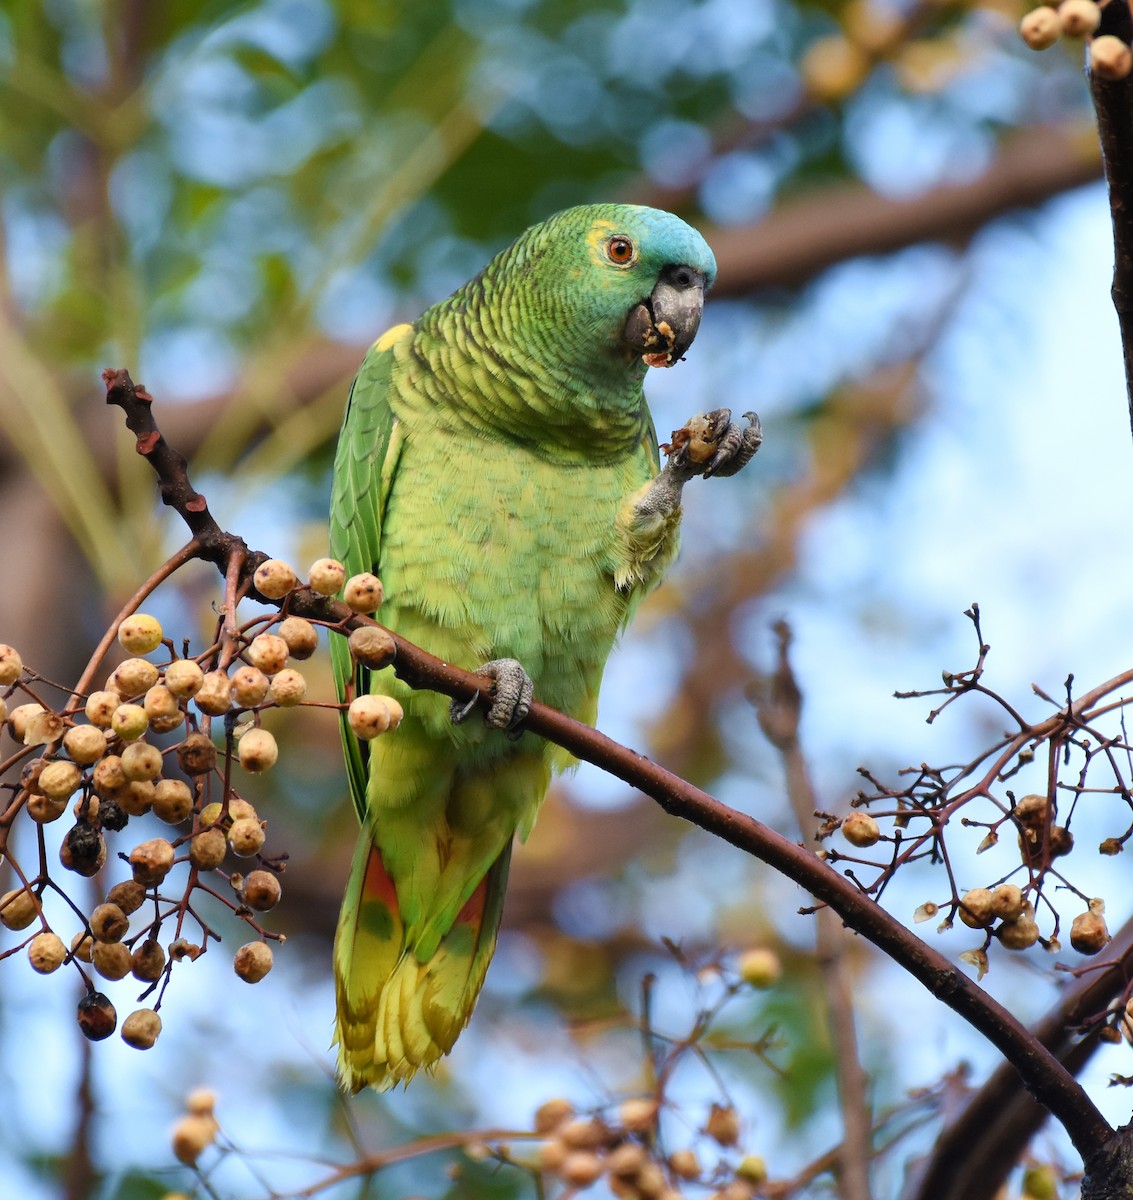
620 250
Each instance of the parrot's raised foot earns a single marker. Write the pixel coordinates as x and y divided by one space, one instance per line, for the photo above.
511 694
713 444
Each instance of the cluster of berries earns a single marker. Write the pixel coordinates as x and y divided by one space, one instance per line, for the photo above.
1110 57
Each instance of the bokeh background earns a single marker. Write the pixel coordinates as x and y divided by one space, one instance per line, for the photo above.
234 199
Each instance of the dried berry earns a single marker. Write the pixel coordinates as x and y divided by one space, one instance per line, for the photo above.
128 895
1040 28
141 1028
214 696
1007 901
257 750
109 923
111 959
364 592
196 755
301 636
109 778
207 849
100 708
140 760
134 677
268 652
288 688
977 909
369 716
183 678
684 1164
46 953
1019 934
58 780
113 815
253 961
85 744
373 647
1088 932
147 961
83 849
249 686
274 578
326 576
723 1125
151 861
246 837
261 891
97 1018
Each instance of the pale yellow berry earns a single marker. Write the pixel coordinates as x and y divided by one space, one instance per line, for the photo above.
977 910
252 961
860 829
832 68
214 696
1110 58
369 716
1040 28
172 801
326 576
249 686
109 778
183 678
396 712
46 953
246 837
84 743
141 761
100 708
274 578
110 959
141 1028
140 634
257 750
752 1169
372 647
161 704
134 677
1079 17
129 722
191 1137
207 849
301 636
11 664
151 861
210 814
58 780
637 1115
760 967
18 909
364 592
288 688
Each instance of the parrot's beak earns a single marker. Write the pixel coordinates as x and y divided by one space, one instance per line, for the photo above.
662 327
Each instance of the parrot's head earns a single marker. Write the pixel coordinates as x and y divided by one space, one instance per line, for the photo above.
617 280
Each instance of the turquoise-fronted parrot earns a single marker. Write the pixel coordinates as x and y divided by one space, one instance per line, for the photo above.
499 471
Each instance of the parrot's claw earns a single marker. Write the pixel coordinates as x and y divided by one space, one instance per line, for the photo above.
736 446
511 695
713 444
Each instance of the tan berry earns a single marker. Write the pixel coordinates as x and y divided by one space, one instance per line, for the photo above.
684 1164
207 849
100 708
191 1137
11 664
85 744
625 1161
977 910
196 755
723 1125
252 961
110 959
1110 58
1079 18
364 592
274 578
109 923
372 646
268 652
109 778
1007 901
172 801
96 1015
551 1114
1040 28
637 1115
137 799
257 750
134 677
261 891
249 686
129 895
288 688
326 576
369 716
43 810
583 1133
129 722
301 636
860 829
18 909
81 945
201 1102
147 961
151 861
551 1155
581 1168
183 678
238 808
1019 934
140 634
58 780
3 710
246 837
161 704
141 761
141 1028
396 712
1031 810
214 697
1088 932
760 967
46 953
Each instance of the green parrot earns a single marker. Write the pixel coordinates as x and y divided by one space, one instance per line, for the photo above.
498 470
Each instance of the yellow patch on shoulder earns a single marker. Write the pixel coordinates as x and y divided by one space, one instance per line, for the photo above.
391 336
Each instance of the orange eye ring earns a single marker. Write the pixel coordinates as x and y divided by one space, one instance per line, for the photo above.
621 251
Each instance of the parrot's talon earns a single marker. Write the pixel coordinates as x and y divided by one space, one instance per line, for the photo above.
460 711
510 697
737 446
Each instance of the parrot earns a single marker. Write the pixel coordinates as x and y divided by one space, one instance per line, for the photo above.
498 469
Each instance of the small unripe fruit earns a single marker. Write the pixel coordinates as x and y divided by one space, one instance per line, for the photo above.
214 696
274 578
326 576
723 1125
100 708
11 664
134 677
191 1137
252 961
369 716
583 1133
210 814
111 959
976 908
1019 934
261 891
58 780
684 1164
1079 17
151 861
161 704
46 953
207 849
140 633
301 636
85 744
372 647
860 829
551 1114
196 755
129 895
136 800
257 750
148 961
1040 28
246 837
1007 901
97 1018
625 1161
760 968
752 1169
129 722
1088 932
141 1029
288 688
172 801
249 686
1110 58
183 678
141 761
109 923
364 592
637 1115
1040 1182
581 1168
268 652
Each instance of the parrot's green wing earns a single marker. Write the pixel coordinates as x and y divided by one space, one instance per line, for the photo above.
363 471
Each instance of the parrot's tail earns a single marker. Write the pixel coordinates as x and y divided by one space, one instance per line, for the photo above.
396 1013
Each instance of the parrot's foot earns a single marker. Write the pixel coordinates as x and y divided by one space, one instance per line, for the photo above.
511 695
713 444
